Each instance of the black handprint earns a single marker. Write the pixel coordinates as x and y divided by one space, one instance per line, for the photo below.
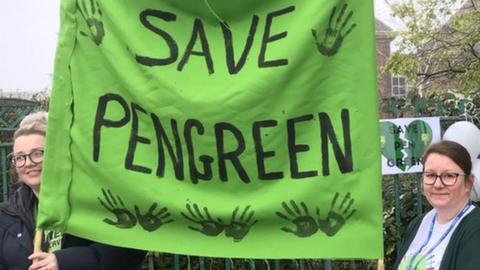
150 221
125 219
336 218
304 222
208 225
93 17
334 34
237 229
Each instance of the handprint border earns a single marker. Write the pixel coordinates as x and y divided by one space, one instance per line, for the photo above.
125 218
241 221
150 221
237 228
307 225
334 33
93 17
209 226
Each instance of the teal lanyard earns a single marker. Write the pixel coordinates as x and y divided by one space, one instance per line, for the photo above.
430 232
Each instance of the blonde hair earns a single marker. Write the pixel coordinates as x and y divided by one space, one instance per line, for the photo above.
34 123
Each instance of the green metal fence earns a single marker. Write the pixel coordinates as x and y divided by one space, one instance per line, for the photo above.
402 198
178 262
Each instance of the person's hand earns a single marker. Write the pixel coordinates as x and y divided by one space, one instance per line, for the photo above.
43 261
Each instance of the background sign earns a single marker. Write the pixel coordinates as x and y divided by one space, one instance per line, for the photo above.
403 141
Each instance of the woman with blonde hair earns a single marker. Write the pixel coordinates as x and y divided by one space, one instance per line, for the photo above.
17 217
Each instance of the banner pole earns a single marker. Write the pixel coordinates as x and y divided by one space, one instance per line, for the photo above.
380 265
37 242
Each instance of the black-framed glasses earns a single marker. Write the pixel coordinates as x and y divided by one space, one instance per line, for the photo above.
36 156
447 178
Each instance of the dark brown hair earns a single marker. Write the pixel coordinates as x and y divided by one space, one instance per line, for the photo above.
454 151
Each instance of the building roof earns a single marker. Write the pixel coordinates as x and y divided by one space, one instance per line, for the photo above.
468 4
382 30
381 26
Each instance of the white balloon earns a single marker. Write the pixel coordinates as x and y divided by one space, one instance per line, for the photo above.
475 194
466 134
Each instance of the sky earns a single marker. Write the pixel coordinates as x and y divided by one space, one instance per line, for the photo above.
28 37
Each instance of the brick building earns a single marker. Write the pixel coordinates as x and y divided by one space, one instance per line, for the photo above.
384 37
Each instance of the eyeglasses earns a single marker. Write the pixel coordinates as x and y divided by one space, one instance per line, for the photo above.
447 178
36 156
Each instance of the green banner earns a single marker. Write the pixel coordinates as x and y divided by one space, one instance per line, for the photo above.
216 128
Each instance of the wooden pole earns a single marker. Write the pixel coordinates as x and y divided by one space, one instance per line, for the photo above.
37 242
380 265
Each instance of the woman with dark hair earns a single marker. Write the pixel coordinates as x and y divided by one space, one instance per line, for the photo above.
448 236
17 218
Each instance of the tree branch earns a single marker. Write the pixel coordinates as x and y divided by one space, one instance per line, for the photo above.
472 50
430 75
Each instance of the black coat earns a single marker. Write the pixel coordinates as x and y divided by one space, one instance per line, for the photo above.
16 244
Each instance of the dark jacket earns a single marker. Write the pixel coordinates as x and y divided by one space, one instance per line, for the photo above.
462 249
16 244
